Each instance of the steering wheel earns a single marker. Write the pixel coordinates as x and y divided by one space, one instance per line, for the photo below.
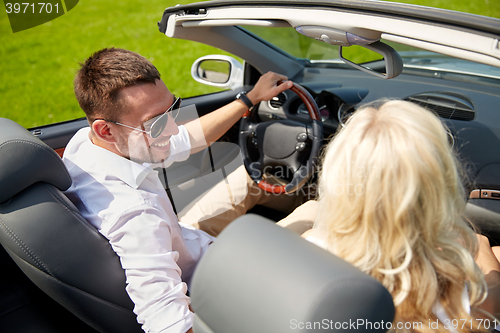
288 144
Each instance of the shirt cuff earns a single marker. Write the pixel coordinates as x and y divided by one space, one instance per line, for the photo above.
158 324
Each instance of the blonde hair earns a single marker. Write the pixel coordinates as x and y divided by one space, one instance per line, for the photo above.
391 203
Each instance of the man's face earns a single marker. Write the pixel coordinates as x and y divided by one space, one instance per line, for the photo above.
140 104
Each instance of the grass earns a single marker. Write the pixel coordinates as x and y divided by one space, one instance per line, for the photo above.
38 65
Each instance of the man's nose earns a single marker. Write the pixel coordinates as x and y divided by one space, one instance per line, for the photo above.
171 128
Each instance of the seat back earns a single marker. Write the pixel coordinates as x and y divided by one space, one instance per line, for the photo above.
51 242
259 277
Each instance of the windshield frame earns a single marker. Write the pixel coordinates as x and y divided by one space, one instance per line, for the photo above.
461 75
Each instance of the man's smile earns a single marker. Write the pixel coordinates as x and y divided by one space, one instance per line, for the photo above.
162 144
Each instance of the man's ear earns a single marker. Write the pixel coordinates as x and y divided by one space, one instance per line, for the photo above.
103 131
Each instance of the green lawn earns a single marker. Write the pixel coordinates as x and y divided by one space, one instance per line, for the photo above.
38 65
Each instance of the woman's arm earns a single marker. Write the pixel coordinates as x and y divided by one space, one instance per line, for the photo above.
489 265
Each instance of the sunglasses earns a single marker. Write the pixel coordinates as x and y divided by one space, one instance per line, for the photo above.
155 126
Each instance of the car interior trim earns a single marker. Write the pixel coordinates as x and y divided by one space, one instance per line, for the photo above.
485 194
437 15
446 39
238 42
222 22
481 57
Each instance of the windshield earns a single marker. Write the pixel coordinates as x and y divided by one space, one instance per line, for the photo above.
416 61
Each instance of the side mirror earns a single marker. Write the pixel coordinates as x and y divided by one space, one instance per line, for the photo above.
392 60
219 71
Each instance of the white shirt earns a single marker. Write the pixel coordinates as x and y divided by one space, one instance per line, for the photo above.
127 203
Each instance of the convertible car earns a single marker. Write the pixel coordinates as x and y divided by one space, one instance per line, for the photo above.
60 275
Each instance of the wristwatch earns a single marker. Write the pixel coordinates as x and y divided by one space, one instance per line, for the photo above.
243 97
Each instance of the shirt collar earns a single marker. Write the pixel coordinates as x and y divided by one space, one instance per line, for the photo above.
130 172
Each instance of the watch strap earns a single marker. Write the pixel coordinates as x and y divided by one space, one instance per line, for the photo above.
243 97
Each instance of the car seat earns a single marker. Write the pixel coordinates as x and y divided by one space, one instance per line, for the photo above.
259 277
51 242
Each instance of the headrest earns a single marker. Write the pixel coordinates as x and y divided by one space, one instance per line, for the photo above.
25 160
259 277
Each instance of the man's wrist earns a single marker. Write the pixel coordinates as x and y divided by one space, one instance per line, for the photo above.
252 97
242 96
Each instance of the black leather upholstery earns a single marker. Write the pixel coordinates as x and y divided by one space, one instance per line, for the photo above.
259 277
46 236
22 155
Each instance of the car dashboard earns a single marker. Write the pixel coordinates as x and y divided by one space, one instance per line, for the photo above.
469 110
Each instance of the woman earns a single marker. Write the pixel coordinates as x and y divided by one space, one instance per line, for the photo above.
391 203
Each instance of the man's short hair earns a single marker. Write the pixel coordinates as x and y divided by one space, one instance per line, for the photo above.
103 75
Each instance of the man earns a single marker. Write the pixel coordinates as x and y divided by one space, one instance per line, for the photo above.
129 111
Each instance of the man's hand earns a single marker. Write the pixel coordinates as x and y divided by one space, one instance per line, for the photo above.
267 87
215 124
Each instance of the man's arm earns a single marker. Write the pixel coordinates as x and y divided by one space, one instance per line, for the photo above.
216 123
143 237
